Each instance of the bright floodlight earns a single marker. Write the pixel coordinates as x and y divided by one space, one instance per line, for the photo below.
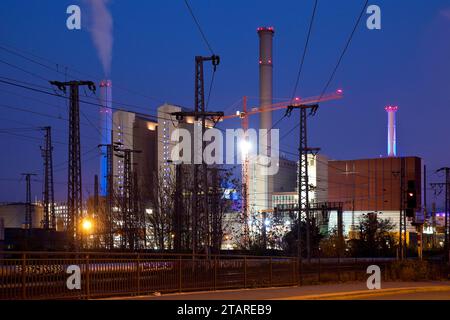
87 225
245 147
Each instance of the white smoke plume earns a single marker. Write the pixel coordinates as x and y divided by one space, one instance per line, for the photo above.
446 13
101 28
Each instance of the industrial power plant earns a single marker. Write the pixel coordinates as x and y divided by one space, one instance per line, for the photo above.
213 197
136 160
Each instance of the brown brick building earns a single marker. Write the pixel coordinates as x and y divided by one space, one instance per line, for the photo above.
372 184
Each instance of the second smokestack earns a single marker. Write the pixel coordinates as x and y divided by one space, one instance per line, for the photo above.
392 134
106 127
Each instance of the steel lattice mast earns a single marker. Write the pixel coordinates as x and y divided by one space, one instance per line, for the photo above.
108 221
303 178
74 190
28 216
130 217
49 198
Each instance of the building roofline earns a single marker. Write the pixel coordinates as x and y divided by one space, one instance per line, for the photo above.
377 158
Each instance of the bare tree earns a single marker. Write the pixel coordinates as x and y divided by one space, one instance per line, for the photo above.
171 221
221 202
160 217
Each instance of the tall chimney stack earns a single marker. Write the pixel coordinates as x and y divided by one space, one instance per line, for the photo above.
105 129
392 140
265 74
264 182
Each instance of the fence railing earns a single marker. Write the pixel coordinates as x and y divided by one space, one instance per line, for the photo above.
34 275
51 275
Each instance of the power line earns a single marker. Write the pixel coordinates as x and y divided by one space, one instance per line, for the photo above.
32 99
47 80
305 49
153 117
210 88
28 137
42 89
28 87
59 118
84 161
25 82
330 79
349 40
23 70
83 154
21 53
28 59
46 115
40 77
67 98
199 27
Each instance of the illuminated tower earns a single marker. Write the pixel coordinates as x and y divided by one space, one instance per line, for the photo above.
260 185
392 140
105 127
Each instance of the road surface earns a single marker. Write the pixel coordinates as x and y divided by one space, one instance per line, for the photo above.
346 291
439 295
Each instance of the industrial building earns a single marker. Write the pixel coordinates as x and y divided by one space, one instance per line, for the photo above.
151 159
373 185
286 178
61 211
284 181
318 179
135 132
14 235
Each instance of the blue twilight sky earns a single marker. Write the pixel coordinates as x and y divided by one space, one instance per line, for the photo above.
406 63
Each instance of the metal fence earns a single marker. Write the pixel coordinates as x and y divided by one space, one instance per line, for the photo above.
34 275
318 271
44 275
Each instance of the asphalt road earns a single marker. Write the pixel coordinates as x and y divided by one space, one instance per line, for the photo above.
440 295
344 291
